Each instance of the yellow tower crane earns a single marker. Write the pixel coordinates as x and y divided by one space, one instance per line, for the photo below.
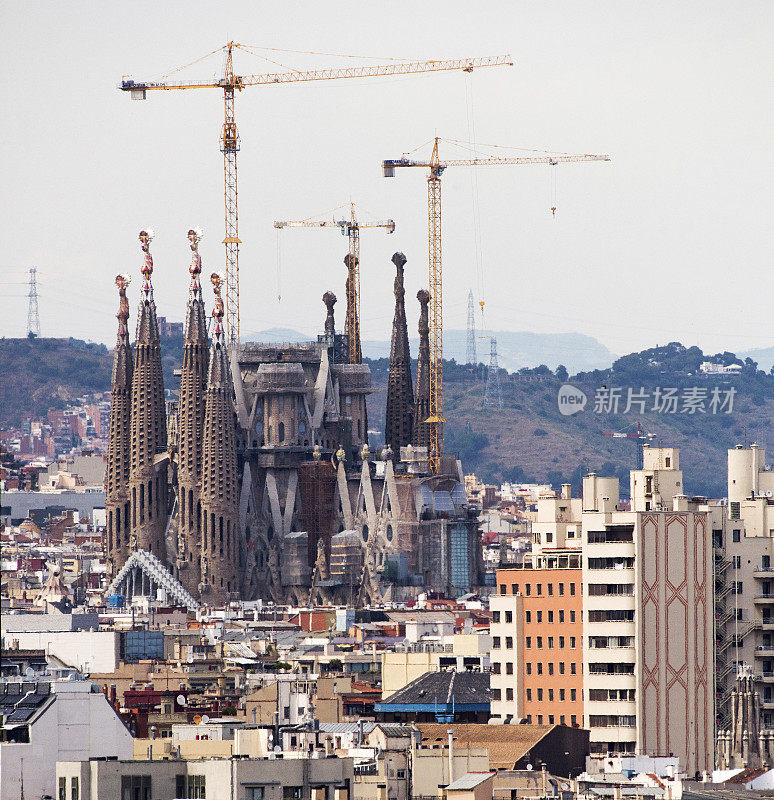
436 167
351 229
229 138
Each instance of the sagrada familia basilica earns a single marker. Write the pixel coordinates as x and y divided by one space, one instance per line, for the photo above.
258 482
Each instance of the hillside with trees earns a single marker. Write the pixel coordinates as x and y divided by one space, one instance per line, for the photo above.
527 440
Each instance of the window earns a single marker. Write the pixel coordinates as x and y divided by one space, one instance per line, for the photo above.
74 788
539 667
63 789
561 694
514 588
495 643
508 616
572 616
528 667
573 720
572 588
509 642
561 667
136 787
550 719
540 695
495 694
737 535
527 616
400 773
528 589
573 694
550 695
539 589
528 642
561 642
550 667
549 536
502 589
550 642
292 792
539 617
529 694
509 694
572 668
539 642
496 668
495 616
550 616
738 588
572 642
540 719
561 615
550 589
509 668
561 590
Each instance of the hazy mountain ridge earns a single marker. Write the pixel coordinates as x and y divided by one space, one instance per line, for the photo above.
578 352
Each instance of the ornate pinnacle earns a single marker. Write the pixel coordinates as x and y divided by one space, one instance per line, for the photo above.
217 311
146 237
194 237
329 298
122 281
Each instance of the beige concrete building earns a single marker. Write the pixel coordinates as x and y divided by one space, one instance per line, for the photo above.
213 778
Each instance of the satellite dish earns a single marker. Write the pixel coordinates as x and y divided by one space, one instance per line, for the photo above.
529 767
197 719
205 719
29 672
190 658
181 701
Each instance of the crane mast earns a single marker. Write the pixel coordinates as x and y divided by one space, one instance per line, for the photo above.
351 229
229 140
435 266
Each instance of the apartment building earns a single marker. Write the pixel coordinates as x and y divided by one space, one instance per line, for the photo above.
743 536
537 636
643 610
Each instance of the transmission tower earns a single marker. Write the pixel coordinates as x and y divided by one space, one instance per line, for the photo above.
471 354
493 396
33 318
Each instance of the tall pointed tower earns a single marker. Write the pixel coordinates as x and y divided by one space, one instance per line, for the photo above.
400 394
148 475
119 440
352 323
193 385
219 487
421 437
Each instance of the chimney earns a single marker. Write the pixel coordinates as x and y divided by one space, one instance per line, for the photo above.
450 732
566 491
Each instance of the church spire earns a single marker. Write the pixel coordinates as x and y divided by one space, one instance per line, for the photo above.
119 439
220 551
400 394
193 385
148 475
421 436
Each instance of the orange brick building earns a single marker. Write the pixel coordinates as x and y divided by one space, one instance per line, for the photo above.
537 643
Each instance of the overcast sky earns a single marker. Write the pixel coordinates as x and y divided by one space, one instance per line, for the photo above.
671 240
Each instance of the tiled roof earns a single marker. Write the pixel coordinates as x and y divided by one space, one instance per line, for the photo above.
507 744
444 688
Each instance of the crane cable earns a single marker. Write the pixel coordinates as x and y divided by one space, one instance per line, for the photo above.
478 248
279 265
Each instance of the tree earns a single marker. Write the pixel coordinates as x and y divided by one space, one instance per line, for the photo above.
561 373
